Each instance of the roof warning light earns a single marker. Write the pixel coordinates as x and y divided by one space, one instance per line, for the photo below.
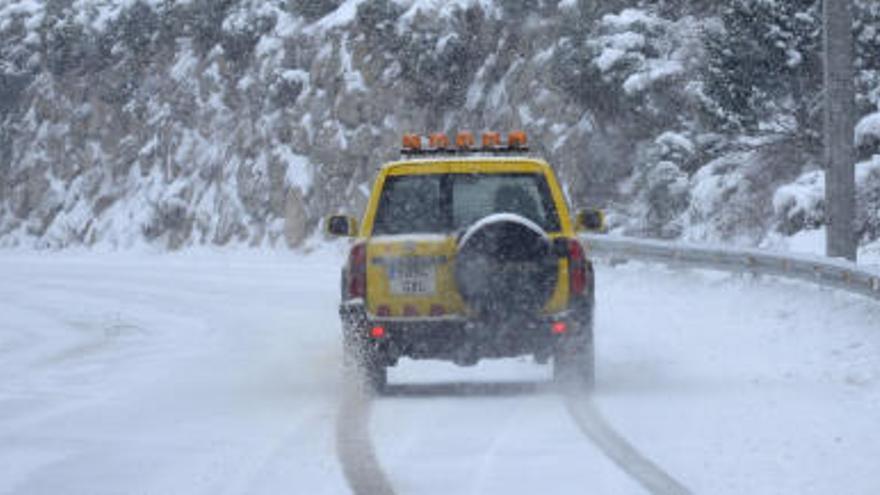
491 140
412 142
464 141
439 143
517 139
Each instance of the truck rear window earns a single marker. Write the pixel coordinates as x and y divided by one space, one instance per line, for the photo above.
441 203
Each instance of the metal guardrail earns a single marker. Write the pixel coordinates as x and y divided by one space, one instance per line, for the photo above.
826 272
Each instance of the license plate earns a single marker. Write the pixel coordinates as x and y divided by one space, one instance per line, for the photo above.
412 277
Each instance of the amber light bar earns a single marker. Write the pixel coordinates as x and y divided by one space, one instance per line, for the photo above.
439 143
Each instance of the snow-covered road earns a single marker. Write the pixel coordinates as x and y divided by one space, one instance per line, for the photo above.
218 372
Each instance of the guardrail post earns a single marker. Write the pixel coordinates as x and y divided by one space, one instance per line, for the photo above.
752 265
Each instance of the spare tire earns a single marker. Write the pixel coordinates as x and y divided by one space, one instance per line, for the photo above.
505 267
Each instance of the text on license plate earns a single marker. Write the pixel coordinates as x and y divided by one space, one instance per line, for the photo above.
412 276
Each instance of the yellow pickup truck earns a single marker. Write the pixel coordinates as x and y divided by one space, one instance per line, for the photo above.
467 252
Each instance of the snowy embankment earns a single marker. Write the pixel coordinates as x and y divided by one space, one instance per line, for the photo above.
218 372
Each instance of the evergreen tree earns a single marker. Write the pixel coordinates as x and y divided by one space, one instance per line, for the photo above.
764 68
867 36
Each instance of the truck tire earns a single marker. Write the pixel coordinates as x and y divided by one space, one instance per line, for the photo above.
574 361
364 367
505 267
375 376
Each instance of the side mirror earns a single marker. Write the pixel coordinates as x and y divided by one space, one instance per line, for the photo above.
592 220
341 225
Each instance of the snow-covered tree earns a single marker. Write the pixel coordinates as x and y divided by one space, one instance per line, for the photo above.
764 67
763 71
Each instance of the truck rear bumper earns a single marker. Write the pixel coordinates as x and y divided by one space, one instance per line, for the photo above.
462 341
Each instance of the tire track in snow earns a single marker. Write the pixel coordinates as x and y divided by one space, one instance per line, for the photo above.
354 448
642 469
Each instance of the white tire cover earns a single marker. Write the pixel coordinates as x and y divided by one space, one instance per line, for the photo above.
501 217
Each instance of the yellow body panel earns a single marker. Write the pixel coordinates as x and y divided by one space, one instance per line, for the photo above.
442 248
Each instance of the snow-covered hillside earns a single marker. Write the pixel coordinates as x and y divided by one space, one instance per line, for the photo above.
125 122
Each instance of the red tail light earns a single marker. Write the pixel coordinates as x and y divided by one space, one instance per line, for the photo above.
377 332
558 328
357 271
577 268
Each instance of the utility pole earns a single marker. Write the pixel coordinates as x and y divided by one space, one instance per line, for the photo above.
841 239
